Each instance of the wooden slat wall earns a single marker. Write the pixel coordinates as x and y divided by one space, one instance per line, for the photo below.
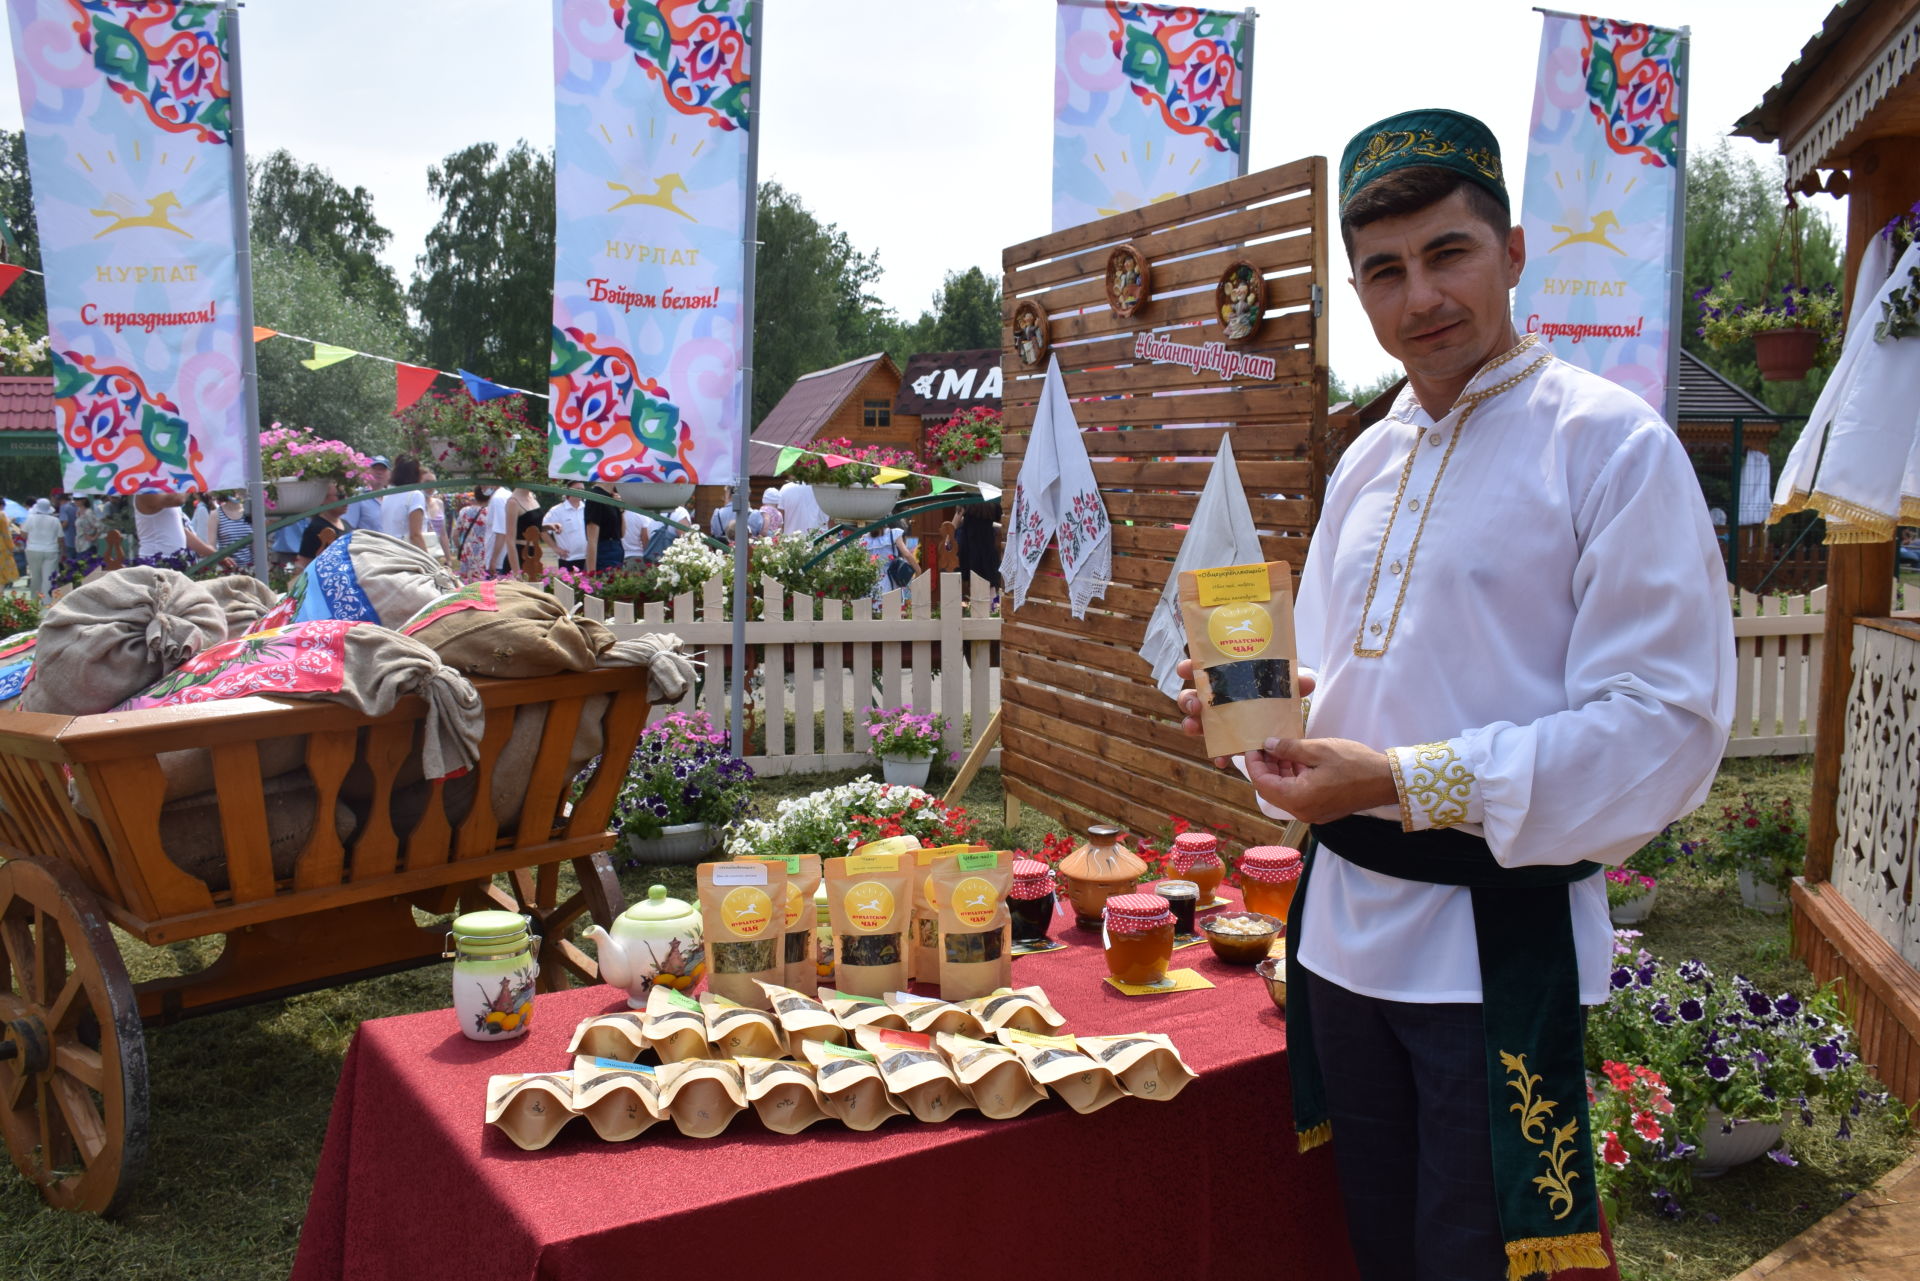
1086 735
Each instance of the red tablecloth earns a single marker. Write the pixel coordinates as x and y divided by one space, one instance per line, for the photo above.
413 1184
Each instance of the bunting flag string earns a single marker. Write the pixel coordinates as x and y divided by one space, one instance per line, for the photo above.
791 454
325 353
9 272
410 381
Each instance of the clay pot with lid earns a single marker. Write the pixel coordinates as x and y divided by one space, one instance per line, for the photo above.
1096 871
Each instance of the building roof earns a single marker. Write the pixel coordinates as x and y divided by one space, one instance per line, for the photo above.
1762 124
936 384
808 406
26 403
1706 394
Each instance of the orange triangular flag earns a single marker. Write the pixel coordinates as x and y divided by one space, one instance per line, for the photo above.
9 272
261 333
410 383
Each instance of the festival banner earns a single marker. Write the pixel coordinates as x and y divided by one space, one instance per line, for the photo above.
650 168
129 142
1598 208
1147 104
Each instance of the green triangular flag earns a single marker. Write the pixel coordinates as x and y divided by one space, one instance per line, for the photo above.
325 353
788 457
944 483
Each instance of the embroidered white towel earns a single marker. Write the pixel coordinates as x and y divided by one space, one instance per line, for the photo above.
1222 533
1057 500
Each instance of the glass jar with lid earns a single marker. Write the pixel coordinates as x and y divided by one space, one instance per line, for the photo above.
493 973
1139 938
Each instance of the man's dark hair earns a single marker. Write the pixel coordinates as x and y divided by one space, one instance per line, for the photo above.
1409 190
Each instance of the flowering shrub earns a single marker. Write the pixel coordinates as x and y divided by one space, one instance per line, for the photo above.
1770 845
901 731
967 437
19 612
20 352
1625 885
836 820
478 437
1726 320
1900 310
293 453
683 771
863 464
1626 1117
848 573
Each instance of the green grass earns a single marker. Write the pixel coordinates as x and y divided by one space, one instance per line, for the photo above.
240 1099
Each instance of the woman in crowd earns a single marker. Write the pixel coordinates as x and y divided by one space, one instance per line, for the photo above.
43 546
232 526
470 535
888 546
321 529
404 516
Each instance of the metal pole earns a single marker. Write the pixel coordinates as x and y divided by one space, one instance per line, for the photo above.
1677 253
243 286
750 230
1247 16
1733 517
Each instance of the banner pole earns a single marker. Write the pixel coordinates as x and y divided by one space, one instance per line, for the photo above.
749 241
1677 253
243 286
1246 95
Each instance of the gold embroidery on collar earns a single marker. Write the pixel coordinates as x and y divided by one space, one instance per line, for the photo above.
1556 1150
1435 781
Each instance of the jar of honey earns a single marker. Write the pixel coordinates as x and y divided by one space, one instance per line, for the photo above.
1030 901
1139 938
1196 858
1269 874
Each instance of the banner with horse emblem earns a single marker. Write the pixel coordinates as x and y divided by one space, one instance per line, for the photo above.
1598 209
1147 105
650 169
127 114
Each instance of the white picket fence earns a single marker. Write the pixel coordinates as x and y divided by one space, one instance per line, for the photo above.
1778 646
813 677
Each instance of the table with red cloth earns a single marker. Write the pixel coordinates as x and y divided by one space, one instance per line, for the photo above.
412 1183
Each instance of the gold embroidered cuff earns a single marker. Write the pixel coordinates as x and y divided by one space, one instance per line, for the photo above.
1436 788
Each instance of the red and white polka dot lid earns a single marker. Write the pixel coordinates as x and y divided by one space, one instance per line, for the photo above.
1273 864
1031 879
1195 849
1137 913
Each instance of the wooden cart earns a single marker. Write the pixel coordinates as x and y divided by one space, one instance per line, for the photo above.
73 1065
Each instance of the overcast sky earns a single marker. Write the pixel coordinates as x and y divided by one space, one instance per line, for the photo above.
923 127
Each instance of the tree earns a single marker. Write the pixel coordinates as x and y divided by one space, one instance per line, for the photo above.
1359 393
484 287
302 207
26 302
965 317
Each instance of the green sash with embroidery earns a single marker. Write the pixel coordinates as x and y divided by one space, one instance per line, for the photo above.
1530 985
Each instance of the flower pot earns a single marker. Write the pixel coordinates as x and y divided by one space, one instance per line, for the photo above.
447 456
299 495
1785 355
654 495
857 504
1720 1151
1634 910
985 472
677 843
1759 897
911 771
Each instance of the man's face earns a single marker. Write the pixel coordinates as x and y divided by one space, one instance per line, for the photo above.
380 475
1434 286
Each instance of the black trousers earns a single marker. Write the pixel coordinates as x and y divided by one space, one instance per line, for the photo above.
1406 1091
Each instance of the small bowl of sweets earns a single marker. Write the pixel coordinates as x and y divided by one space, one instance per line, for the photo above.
1241 938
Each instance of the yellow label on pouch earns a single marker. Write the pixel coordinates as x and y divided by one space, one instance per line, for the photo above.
793 905
746 911
869 905
974 900
1232 585
1240 630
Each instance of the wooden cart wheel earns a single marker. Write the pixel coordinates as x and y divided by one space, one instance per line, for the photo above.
73 1061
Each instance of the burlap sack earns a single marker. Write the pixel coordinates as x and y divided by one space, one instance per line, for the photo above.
363 577
244 599
190 830
107 640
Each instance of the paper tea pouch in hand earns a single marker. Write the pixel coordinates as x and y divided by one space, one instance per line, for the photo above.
1058 1063
1239 624
927 1015
620 1100
701 1096
614 1036
802 1017
1145 1063
742 908
784 1094
861 1011
675 1027
530 1107
737 1032
868 896
851 1087
915 1073
1025 1009
976 934
799 951
992 1073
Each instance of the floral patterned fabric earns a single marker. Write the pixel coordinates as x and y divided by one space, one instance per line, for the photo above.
1057 498
305 659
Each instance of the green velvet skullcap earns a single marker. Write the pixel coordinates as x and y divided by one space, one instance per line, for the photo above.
1432 136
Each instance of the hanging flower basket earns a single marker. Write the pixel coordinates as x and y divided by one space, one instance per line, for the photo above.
299 495
1785 355
655 495
985 471
862 503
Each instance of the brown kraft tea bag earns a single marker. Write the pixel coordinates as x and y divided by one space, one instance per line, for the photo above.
851 1087
701 1095
915 1073
867 895
861 1011
611 1036
993 1075
1239 624
737 1032
1025 1009
929 1015
620 1100
1145 1063
675 1027
1059 1063
802 1017
743 911
530 1107
785 1095
976 932
923 939
799 949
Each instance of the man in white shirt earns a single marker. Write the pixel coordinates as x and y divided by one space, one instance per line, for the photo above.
565 526
799 513
1514 626
503 549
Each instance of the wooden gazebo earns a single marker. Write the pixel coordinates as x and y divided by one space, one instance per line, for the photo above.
1846 116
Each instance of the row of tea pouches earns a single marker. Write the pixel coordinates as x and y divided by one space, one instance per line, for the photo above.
909 1055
